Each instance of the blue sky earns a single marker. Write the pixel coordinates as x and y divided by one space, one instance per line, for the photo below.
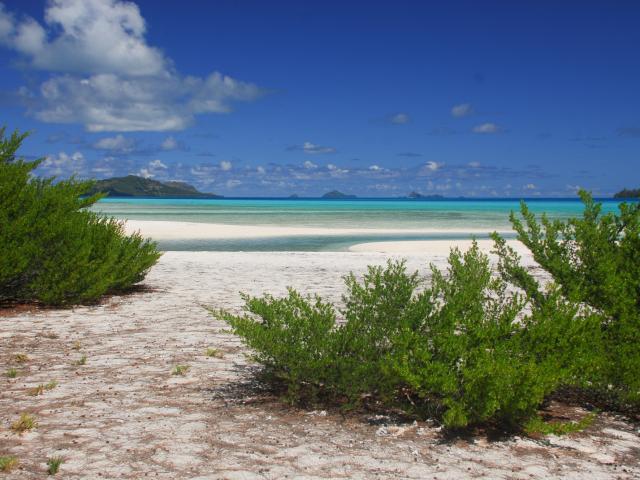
372 98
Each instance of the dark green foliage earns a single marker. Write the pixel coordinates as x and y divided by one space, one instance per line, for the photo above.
628 193
53 250
464 348
595 261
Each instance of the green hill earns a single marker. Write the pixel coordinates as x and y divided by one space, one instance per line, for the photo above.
625 193
335 194
133 186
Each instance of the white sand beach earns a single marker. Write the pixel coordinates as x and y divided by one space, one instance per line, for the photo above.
123 415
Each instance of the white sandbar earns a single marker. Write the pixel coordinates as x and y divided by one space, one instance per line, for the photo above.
170 230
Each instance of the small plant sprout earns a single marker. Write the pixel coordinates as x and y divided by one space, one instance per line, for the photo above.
40 389
24 423
214 353
35 391
11 373
180 370
51 385
8 463
54 464
77 345
21 358
82 361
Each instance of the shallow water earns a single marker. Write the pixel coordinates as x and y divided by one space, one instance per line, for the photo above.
464 216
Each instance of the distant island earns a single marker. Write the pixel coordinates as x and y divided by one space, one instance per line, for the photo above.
336 195
418 196
134 186
626 193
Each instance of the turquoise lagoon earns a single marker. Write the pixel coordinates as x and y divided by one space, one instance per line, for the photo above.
445 219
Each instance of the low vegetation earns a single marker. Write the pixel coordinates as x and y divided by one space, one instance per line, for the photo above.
595 262
54 250
8 463
53 464
21 358
213 353
180 370
40 389
470 346
11 373
538 426
25 423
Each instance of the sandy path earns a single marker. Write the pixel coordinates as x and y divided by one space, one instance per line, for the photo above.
123 415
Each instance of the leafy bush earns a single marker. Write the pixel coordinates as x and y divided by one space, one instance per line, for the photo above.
464 348
595 260
53 250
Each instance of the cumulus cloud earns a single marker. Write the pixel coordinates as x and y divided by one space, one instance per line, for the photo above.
225 165
108 78
154 168
118 143
63 164
432 166
487 128
309 165
169 143
474 164
157 164
462 110
399 118
529 186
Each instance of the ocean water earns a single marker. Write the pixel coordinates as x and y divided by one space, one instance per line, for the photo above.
465 217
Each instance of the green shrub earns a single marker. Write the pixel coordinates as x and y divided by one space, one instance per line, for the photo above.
463 348
595 261
53 250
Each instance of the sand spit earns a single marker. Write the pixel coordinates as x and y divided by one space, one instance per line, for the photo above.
123 415
167 230
436 248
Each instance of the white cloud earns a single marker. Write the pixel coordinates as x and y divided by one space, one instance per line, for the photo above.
145 173
312 148
433 166
93 36
169 143
375 168
400 118
119 143
225 165
336 172
474 164
63 164
487 128
233 183
261 170
157 164
309 165
529 186
109 78
462 110
153 169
